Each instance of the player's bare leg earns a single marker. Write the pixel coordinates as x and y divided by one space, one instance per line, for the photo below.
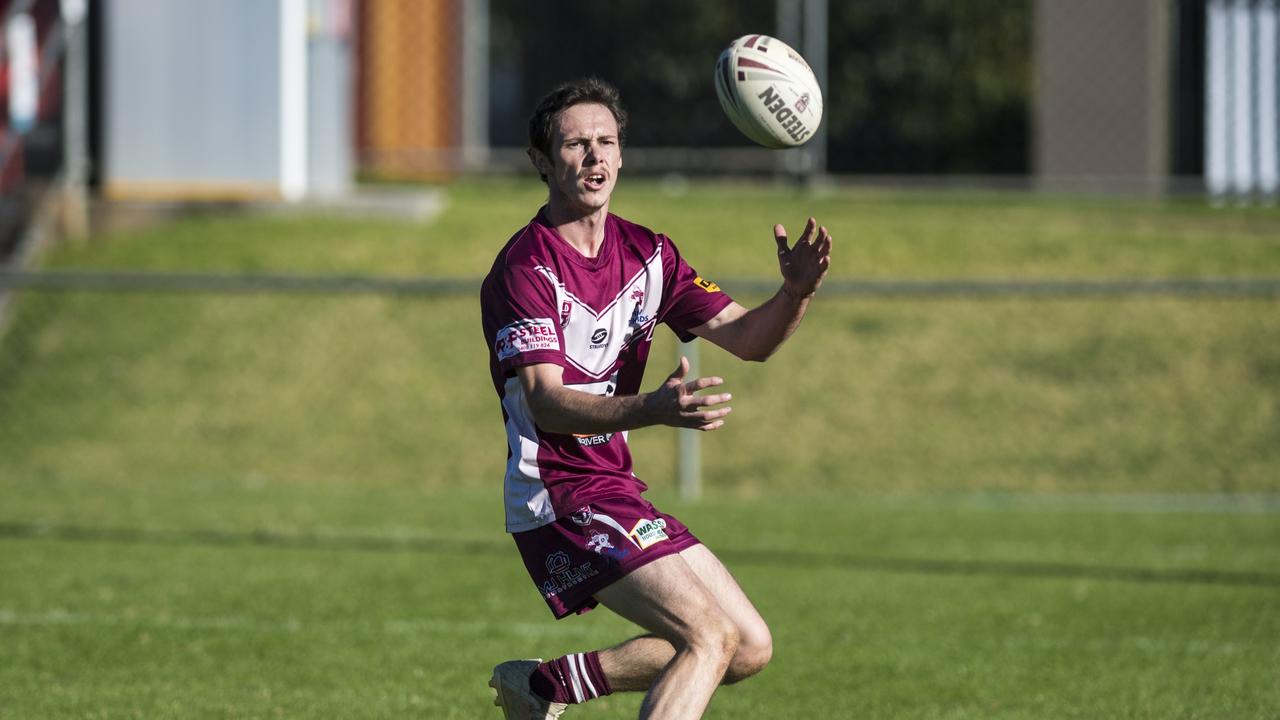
634 664
667 598
755 642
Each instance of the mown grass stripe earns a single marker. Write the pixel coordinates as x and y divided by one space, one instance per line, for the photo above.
754 556
238 623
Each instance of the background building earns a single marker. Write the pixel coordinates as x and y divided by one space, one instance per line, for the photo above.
293 99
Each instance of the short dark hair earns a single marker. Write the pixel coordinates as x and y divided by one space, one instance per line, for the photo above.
542 124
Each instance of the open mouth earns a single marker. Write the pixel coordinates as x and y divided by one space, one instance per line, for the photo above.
594 181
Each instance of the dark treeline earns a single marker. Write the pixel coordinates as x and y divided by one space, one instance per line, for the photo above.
915 86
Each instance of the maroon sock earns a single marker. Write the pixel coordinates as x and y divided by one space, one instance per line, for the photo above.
571 679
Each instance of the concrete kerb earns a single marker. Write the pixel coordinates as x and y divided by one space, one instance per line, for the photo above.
409 204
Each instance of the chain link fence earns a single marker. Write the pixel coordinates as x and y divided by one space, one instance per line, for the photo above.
409 82
1172 95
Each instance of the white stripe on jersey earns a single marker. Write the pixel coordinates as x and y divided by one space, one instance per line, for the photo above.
581 660
654 260
616 526
593 341
573 679
528 504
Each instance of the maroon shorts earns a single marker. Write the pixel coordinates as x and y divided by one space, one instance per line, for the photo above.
577 556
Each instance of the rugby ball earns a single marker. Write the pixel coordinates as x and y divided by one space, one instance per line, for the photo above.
768 91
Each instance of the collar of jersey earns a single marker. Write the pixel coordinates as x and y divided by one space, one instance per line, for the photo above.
571 253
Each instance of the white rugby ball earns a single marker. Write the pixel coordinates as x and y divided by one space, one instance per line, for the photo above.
768 91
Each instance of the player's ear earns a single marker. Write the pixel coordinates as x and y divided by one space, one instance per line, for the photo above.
540 162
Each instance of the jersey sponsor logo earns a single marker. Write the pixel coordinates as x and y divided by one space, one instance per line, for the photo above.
706 285
593 440
598 338
525 336
557 562
648 532
564 574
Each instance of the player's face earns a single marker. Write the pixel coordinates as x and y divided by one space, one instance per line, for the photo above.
585 157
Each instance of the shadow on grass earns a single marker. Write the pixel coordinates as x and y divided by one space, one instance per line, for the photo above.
769 558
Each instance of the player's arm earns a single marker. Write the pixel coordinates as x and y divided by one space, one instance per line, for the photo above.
757 333
560 409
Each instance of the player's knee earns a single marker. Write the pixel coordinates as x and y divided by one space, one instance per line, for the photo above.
732 640
755 650
718 636
726 637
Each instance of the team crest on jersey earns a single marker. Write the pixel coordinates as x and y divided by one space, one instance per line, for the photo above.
638 317
706 285
583 516
565 309
599 542
648 532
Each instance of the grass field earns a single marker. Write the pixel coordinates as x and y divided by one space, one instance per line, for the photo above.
287 506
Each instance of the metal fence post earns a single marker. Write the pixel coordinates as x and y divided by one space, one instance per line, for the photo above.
75 123
802 24
475 84
689 468
815 51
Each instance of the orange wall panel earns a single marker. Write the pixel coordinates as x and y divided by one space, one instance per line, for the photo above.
409 87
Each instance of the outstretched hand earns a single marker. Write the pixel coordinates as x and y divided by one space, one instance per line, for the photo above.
677 404
805 265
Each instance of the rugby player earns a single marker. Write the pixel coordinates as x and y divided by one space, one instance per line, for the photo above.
569 310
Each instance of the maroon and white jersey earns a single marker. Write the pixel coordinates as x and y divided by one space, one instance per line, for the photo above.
544 302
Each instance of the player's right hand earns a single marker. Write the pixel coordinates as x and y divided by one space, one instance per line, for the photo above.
805 265
677 403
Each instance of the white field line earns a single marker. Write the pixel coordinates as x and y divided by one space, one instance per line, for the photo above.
239 623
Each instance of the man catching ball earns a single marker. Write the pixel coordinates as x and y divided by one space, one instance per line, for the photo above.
569 311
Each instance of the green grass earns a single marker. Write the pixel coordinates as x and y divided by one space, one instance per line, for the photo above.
883 610
725 229
264 506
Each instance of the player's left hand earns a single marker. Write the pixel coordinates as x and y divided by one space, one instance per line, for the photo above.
805 265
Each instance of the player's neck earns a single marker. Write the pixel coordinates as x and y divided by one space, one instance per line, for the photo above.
582 229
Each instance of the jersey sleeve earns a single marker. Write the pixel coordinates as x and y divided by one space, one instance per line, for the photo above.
522 319
691 299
